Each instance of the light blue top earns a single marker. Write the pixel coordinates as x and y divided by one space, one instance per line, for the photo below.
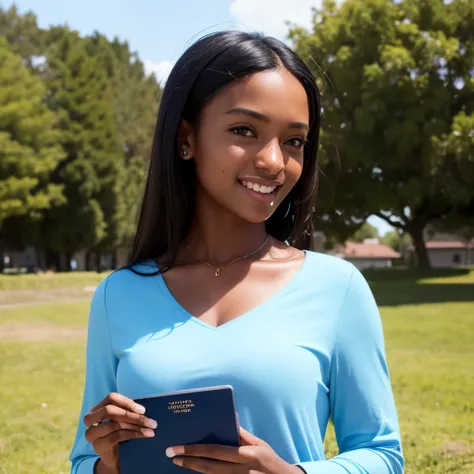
313 351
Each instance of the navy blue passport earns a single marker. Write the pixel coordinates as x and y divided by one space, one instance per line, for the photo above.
199 416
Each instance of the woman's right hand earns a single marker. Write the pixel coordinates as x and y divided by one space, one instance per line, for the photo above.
116 418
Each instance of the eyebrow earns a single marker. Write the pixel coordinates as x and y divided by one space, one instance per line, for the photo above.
264 118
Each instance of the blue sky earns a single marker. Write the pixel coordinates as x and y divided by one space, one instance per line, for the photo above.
160 30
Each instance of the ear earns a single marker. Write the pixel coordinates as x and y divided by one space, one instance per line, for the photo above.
186 141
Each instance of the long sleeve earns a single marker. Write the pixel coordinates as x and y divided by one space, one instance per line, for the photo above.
100 380
361 399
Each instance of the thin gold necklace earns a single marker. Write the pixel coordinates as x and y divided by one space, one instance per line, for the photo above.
218 270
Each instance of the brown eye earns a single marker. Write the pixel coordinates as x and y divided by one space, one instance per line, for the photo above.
244 131
297 142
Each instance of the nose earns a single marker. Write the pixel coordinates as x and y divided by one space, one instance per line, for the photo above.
270 158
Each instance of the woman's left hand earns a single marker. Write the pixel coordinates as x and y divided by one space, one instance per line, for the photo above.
253 456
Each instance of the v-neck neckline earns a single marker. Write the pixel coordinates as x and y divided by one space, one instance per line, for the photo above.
288 286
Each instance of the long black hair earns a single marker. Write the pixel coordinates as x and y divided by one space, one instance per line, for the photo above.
203 70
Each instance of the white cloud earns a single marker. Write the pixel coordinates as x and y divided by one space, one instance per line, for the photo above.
161 70
269 16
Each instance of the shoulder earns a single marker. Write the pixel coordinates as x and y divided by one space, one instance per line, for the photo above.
325 278
341 282
329 267
333 271
126 282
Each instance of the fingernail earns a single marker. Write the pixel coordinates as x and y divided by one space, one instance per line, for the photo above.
178 461
148 433
140 409
170 452
151 423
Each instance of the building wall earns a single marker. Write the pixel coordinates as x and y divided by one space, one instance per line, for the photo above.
362 263
440 258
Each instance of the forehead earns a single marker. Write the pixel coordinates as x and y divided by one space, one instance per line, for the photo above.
275 93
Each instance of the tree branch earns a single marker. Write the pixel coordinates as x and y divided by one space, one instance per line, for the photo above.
393 223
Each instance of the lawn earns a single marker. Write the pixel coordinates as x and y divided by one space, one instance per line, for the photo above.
49 281
20 289
429 327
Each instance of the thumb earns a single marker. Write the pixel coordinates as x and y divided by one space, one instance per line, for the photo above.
248 439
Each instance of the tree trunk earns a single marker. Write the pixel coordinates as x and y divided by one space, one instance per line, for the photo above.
48 259
88 260
98 258
53 260
422 256
57 261
68 261
2 258
61 267
39 260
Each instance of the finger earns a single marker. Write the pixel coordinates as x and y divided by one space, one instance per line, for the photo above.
105 444
107 427
115 413
250 439
121 401
231 454
207 466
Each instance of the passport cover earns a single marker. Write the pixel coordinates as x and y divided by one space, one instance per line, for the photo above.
198 416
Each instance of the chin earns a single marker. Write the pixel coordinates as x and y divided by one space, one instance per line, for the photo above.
255 217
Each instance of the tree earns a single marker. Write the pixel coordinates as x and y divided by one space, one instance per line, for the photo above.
22 33
400 242
398 97
106 108
29 147
397 240
366 231
93 169
135 100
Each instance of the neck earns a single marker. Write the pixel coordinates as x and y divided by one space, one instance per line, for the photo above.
218 237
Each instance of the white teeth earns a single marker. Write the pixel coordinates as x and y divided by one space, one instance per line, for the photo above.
258 187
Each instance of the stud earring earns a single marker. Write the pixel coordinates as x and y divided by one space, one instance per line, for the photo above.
185 152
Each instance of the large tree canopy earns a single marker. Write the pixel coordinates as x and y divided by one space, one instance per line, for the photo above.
22 33
29 143
398 97
97 110
93 165
135 99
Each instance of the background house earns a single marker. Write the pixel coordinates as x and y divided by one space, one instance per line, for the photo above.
450 253
368 254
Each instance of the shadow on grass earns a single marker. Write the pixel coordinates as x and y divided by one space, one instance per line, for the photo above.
393 287
413 274
394 294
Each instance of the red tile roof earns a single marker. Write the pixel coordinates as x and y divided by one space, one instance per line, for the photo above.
447 244
367 250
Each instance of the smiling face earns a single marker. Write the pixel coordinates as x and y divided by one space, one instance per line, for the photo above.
249 144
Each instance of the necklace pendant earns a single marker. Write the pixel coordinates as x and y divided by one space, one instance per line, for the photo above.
218 272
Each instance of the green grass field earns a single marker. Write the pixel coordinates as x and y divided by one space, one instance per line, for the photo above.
429 328
49 281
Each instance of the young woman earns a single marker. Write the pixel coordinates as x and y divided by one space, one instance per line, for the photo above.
222 287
